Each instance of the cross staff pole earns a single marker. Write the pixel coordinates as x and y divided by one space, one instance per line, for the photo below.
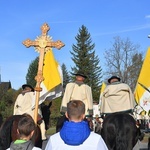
42 44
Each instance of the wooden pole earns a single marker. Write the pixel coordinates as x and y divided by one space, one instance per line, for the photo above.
42 44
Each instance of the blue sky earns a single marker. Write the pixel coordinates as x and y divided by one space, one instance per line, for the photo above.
104 20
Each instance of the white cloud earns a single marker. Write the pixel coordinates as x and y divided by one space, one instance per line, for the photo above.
134 28
147 16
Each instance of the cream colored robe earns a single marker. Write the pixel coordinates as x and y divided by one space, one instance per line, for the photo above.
23 104
75 92
116 98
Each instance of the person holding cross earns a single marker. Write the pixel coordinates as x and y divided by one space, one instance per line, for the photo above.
42 44
23 104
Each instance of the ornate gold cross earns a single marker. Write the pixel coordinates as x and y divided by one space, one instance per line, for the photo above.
42 44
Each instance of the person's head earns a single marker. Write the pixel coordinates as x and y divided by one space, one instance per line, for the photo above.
75 110
26 127
80 76
114 79
27 87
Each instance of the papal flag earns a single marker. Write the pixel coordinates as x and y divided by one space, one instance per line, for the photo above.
103 87
52 83
142 90
101 91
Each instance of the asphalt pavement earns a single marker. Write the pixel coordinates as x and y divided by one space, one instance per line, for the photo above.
141 146
45 142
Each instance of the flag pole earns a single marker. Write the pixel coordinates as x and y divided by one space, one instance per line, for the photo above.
42 44
39 78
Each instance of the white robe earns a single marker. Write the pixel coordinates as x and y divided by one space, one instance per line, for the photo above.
93 142
23 104
117 98
75 92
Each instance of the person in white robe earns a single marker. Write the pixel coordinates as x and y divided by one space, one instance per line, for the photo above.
80 91
77 90
117 97
24 104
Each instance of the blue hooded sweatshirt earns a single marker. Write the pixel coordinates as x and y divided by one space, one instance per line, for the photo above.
75 133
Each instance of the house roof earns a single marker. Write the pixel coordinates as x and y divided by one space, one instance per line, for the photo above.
5 85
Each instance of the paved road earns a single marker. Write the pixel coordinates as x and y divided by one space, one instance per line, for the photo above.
44 143
140 146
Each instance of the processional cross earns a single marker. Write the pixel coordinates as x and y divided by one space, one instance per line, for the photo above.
42 44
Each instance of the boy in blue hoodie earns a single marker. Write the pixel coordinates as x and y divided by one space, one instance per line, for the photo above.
75 133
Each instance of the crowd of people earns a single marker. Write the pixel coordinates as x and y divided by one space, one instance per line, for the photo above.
74 129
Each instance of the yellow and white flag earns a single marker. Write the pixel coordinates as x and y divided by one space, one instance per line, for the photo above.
103 87
142 90
101 91
52 84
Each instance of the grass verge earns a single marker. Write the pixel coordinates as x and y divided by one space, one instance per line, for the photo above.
51 131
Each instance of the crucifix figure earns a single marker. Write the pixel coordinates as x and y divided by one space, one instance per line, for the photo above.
42 44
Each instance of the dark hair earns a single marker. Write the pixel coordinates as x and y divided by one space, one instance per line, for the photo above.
26 125
75 108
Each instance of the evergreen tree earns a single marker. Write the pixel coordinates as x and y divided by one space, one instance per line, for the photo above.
85 59
32 72
66 77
